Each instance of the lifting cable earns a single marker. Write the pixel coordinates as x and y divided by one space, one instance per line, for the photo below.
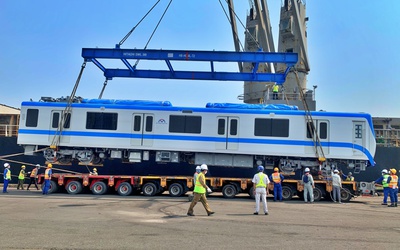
230 21
104 87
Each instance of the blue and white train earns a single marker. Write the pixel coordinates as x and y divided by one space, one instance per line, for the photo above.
229 135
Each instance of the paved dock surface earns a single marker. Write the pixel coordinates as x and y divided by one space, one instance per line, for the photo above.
30 220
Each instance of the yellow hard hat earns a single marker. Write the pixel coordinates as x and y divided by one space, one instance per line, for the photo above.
94 169
276 169
49 165
394 171
23 166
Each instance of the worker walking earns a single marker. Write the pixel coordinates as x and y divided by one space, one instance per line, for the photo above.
260 189
21 178
384 181
308 183
34 176
199 192
6 177
275 90
337 185
47 177
393 181
196 173
277 179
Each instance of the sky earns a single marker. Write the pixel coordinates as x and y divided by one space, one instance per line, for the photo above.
351 47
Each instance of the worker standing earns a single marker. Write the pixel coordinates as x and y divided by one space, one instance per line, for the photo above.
275 90
47 177
384 181
196 173
308 183
94 173
277 179
6 177
337 185
260 189
21 178
393 181
348 177
34 176
199 192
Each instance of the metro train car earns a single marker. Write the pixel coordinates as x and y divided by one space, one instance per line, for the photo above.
220 134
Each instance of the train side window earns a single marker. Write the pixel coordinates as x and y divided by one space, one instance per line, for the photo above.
280 127
137 122
233 128
32 117
323 130
149 123
310 129
221 126
56 120
67 120
184 124
105 121
262 127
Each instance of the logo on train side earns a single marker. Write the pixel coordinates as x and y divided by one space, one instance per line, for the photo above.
161 121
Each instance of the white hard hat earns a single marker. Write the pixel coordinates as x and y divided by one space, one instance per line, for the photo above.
6 165
198 167
307 170
336 171
384 171
204 167
38 165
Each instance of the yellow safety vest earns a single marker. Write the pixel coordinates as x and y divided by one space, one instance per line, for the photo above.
21 175
33 173
276 177
46 174
8 175
384 181
198 188
275 89
261 182
393 182
350 178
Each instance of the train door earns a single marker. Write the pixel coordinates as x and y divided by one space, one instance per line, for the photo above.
228 132
358 137
142 130
54 134
323 131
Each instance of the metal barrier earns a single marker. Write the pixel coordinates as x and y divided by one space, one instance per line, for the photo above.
387 137
8 130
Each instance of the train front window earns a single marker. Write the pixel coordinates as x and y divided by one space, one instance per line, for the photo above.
32 117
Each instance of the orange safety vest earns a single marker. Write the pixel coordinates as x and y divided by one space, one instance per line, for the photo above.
33 173
276 178
393 182
46 174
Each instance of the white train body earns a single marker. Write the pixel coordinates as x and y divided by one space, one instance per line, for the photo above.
226 136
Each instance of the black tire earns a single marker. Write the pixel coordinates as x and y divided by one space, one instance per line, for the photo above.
345 194
229 191
124 189
99 188
318 193
53 187
74 187
149 189
175 190
251 193
287 193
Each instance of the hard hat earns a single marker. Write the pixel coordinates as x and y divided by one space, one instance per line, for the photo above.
38 165
336 171
23 166
276 169
6 165
94 169
394 171
49 165
198 167
260 168
307 170
204 167
350 173
384 171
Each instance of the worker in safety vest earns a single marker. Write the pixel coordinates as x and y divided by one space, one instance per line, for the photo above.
6 176
21 178
196 173
33 176
393 181
277 179
94 172
348 177
47 178
384 181
260 189
275 90
199 192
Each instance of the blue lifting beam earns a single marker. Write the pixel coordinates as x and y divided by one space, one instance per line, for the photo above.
94 55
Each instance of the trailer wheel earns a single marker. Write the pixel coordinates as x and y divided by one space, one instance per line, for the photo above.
251 193
74 187
175 190
99 188
317 193
229 191
124 189
345 194
149 189
53 187
287 193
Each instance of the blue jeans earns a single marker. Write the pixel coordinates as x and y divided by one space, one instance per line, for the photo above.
277 192
386 191
46 186
393 195
5 185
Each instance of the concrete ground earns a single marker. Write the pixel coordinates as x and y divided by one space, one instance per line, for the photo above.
30 220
